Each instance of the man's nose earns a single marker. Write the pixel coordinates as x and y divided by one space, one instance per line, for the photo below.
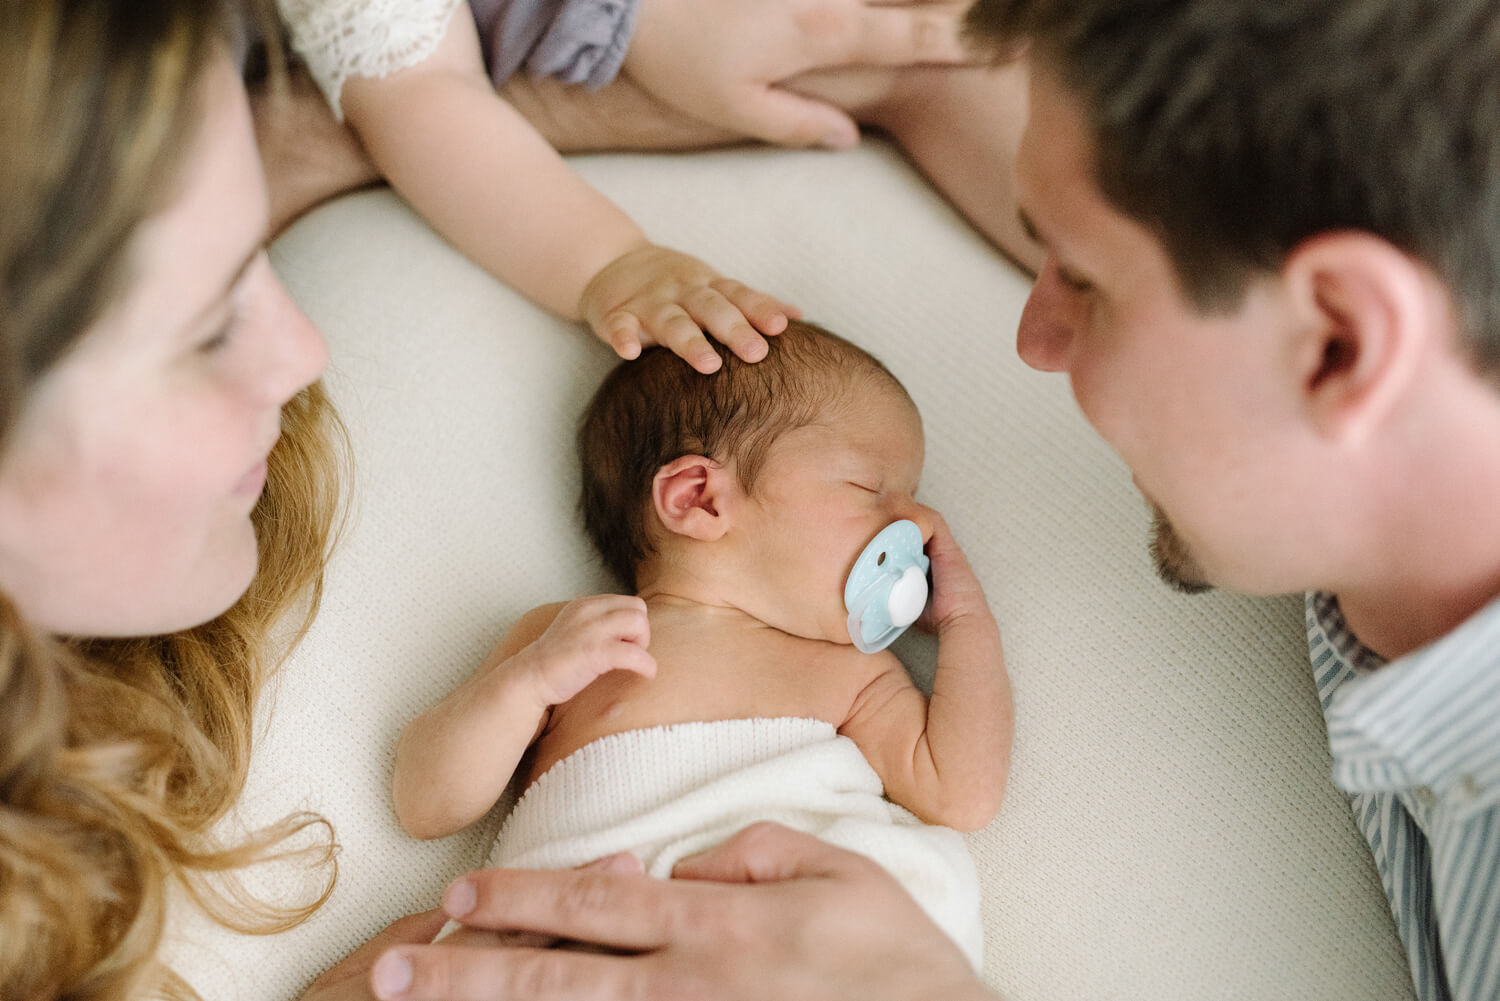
1045 335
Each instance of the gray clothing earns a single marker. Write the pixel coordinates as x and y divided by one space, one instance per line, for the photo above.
577 41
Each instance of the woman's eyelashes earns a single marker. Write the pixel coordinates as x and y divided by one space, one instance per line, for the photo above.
221 336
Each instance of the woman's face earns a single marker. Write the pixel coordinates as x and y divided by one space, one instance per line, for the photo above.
127 484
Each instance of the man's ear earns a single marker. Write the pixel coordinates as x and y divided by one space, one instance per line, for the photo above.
693 496
1366 312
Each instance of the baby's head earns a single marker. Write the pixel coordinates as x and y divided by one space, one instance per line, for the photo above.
818 436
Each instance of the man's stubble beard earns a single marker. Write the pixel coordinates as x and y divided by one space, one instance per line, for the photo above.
1175 563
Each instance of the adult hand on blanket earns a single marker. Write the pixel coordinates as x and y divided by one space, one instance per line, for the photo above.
770 913
349 978
721 61
589 637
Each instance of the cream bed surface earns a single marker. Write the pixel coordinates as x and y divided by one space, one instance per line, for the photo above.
1170 830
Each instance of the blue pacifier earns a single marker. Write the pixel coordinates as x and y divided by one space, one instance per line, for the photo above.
887 589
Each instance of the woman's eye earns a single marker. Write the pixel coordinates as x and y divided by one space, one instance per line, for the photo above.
238 302
218 339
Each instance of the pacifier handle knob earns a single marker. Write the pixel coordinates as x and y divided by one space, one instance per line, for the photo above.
908 597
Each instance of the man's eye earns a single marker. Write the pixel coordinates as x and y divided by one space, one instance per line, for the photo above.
1072 281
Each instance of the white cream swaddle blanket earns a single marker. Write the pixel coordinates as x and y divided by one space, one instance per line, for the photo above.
667 792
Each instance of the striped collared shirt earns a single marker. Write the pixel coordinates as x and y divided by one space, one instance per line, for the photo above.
1416 746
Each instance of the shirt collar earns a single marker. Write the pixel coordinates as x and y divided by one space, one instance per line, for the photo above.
1429 719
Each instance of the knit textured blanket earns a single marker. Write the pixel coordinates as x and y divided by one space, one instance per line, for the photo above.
671 791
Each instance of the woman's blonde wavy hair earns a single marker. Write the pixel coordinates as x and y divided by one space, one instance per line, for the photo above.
117 756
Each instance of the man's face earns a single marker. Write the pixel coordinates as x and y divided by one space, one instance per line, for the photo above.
1199 405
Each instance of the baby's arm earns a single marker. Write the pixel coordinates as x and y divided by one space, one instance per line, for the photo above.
454 760
945 759
489 183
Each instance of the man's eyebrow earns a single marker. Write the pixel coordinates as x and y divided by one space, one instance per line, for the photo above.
234 281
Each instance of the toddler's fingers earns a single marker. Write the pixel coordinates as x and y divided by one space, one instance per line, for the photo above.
726 324
622 331
674 329
768 314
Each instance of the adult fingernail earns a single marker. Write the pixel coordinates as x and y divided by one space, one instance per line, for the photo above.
460 898
391 976
624 862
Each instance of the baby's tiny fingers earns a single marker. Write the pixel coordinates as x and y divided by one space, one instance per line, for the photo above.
635 659
627 621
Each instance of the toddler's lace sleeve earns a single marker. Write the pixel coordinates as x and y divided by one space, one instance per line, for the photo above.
338 39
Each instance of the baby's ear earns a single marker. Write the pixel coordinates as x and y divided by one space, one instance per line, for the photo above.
690 494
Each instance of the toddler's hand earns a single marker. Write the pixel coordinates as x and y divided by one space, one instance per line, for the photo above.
652 295
590 637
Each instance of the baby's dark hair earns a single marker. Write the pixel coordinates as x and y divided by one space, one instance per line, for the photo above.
656 408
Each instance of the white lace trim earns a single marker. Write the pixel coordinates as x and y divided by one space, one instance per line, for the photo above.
339 39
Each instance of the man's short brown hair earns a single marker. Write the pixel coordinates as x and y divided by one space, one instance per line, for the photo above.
1236 129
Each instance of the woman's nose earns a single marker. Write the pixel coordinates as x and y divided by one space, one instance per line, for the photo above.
298 353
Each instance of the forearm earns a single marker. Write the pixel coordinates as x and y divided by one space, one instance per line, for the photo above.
959 126
944 767
618 116
490 184
945 758
970 717
454 761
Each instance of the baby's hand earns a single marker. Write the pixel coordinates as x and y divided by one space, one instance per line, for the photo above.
956 591
590 637
652 295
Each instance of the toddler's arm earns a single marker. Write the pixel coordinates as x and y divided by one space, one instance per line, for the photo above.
454 760
945 759
487 181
